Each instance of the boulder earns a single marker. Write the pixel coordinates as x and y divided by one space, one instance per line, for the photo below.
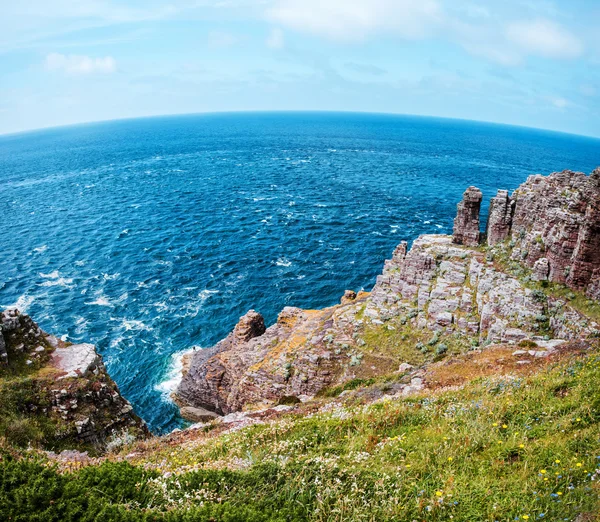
349 296
541 270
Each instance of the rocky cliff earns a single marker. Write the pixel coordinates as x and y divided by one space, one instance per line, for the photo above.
58 394
553 225
445 295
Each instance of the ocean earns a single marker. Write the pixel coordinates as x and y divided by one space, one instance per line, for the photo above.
149 236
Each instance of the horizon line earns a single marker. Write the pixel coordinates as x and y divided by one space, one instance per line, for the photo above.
288 111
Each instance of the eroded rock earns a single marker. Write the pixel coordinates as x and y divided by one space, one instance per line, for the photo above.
466 224
75 391
499 218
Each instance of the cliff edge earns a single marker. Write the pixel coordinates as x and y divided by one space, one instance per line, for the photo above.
521 282
58 395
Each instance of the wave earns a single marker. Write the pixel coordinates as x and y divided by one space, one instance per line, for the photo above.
100 301
51 275
283 261
66 282
173 375
22 303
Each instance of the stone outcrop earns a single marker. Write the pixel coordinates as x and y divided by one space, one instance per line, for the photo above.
466 224
499 218
75 393
554 222
291 358
444 293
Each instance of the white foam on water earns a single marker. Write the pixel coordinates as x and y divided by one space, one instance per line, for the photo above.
173 375
283 261
51 275
22 304
132 324
81 325
41 249
102 300
61 281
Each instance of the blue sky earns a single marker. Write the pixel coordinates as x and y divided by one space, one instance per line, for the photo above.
532 62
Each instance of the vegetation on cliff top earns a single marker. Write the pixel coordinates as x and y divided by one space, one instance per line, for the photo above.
514 447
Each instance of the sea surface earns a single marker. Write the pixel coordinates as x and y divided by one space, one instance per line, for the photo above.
149 236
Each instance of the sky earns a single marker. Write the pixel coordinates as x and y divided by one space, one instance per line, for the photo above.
532 62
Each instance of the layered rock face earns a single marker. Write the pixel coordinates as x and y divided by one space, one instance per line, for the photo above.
500 218
74 389
289 358
554 228
466 223
444 293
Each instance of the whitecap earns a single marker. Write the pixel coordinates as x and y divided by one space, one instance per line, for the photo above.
205 294
61 281
51 275
111 277
134 325
283 261
41 249
100 301
173 375
81 325
22 303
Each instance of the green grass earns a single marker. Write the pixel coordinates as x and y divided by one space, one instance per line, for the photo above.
499 449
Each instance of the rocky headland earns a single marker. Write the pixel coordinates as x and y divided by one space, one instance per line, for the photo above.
531 279
463 386
58 395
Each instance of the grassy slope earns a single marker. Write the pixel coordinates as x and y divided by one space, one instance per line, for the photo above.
504 448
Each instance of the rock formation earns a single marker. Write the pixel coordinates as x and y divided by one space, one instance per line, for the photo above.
466 224
499 218
553 220
74 393
440 295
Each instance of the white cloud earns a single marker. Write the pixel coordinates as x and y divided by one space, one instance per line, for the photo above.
544 38
349 20
221 39
78 64
275 39
558 101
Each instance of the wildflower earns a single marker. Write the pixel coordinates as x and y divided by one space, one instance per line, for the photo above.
499 442
557 461
521 445
495 424
525 517
542 471
504 426
579 464
450 459
438 493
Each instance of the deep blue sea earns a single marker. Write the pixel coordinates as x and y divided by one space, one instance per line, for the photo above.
149 236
